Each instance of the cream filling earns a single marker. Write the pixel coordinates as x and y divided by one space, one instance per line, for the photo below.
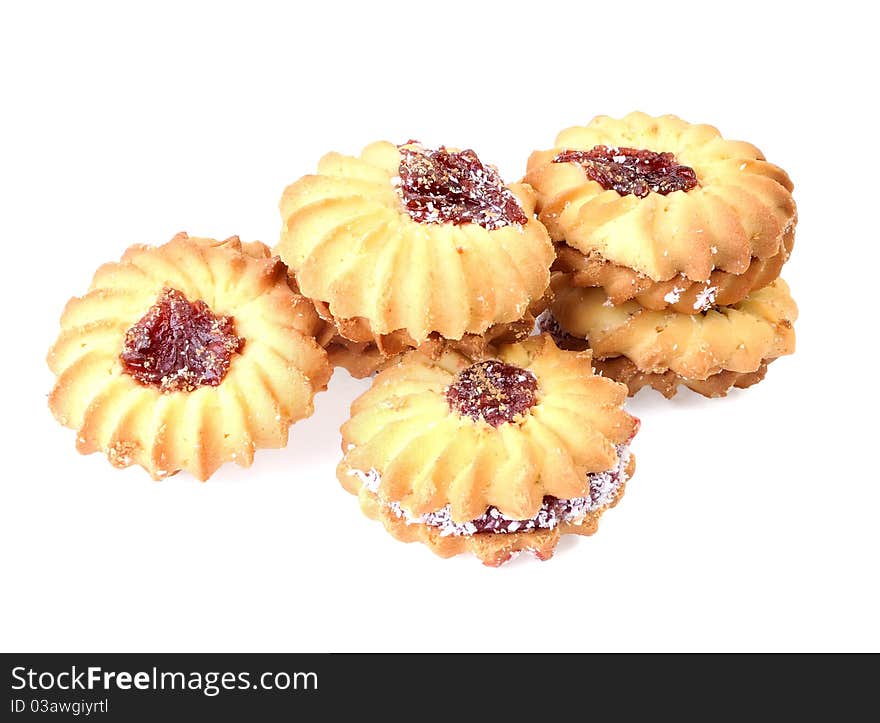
604 487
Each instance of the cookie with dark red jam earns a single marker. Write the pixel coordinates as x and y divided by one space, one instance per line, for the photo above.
186 356
408 246
663 211
494 457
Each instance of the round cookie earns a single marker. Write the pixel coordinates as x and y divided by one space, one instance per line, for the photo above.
395 246
708 352
493 457
186 356
662 211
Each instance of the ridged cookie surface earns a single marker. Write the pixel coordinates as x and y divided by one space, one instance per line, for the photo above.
409 448
679 294
740 209
737 338
269 383
354 246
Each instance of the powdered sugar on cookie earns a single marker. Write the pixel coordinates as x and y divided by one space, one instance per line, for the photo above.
604 489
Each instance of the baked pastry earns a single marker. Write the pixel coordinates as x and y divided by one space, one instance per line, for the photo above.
495 457
395 246
185 356
368 356
662 211
365 358
710 352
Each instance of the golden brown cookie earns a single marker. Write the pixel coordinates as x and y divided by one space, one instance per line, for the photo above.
404 244
679 293
710 352
186 356
622 370
369 355
649 208
495 457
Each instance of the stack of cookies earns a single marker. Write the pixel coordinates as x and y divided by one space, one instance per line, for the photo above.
646 249
670 240
429 269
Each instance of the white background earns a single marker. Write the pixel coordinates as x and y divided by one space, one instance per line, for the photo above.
752 522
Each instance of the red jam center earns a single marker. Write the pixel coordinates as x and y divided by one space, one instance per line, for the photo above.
632 170
179 345
447 187
493 391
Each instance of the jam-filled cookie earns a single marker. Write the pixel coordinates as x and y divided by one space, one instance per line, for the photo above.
186 356
709 353
667 213
405 245
495 457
